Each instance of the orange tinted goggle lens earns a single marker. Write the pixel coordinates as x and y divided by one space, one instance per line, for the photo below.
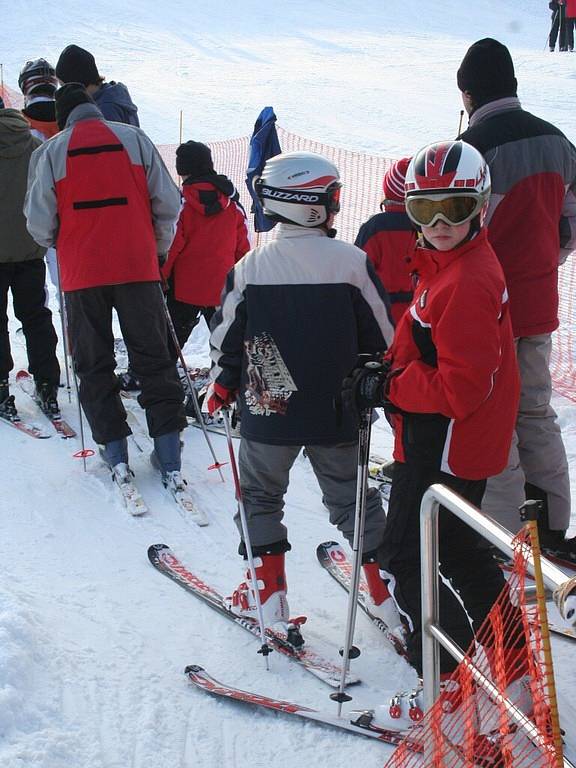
334 193
456 210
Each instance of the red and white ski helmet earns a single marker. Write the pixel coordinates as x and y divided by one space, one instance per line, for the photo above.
299 188
448 169
37 74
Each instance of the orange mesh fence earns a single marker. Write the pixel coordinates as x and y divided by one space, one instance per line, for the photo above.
11 98
468 726
362 176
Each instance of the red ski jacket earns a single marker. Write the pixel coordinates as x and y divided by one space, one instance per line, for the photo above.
455 377
388 239
211 237
532 212
100 193
571 9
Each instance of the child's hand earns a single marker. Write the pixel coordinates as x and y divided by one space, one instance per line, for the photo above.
218 397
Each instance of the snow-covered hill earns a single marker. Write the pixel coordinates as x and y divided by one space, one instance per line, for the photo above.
93 642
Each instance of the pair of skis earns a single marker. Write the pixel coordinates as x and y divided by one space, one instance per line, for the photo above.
130 493
61 427
313 659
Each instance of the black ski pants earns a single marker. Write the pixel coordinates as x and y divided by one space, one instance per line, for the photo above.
185 318
27 282
558 24
141 313
465 560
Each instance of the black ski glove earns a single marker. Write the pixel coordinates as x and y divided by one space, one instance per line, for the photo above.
365 387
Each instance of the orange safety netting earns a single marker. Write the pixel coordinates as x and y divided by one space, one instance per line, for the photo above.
469 727
362 176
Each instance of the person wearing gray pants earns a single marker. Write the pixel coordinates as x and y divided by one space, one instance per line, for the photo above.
295 315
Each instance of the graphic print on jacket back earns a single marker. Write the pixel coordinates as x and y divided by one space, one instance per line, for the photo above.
269 383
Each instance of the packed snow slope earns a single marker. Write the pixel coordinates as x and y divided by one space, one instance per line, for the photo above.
371 75
93 642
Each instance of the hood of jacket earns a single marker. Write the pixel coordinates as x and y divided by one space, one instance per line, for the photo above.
15 136
209 195
115 93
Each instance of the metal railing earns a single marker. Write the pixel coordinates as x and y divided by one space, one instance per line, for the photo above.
432 634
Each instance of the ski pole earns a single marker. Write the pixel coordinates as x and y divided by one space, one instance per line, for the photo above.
265 649
350 651
83 453
64 328
217 464
460 123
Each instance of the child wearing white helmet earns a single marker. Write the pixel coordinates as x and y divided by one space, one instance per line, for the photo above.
295 315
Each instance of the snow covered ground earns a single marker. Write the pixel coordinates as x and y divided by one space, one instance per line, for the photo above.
93 642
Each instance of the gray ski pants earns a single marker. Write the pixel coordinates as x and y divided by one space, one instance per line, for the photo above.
264 473
537 454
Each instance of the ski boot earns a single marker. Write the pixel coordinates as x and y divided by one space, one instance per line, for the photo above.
382 605
7 406
47 398
272 590
129 382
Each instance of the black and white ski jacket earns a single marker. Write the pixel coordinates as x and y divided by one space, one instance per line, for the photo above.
295 314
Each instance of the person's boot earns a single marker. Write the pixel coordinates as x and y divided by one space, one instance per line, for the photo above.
47 398
7 405
167 454
382 604
115 452
129 382
272 590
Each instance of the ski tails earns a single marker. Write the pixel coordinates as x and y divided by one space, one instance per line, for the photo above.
333 558
26 384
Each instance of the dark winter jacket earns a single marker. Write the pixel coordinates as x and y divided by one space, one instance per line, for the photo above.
211 237
115 103
532 213
295 314
41 114
16 147
100 193
388 239
454 370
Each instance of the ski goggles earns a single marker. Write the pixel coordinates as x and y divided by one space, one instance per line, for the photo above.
451 209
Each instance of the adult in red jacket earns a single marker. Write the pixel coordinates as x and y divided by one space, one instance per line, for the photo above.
388 238
570 23
450 379
100 193
211 237
532 227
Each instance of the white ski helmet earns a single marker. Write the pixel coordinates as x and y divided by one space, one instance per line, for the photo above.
35 75
449 180
299 188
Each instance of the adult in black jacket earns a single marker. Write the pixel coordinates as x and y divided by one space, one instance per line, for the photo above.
532 227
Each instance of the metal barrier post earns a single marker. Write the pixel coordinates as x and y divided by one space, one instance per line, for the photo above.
432 633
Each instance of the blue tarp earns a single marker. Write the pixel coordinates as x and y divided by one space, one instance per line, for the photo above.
263 144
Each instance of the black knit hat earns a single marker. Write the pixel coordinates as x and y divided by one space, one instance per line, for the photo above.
77 65
194 159
487 72
68 97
